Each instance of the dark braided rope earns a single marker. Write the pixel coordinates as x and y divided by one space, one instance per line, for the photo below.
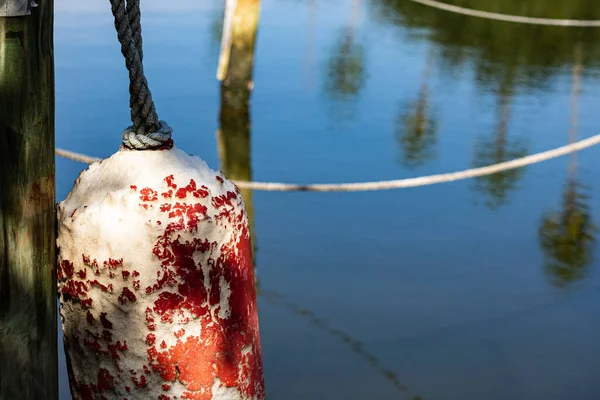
135 24
140 100
147 131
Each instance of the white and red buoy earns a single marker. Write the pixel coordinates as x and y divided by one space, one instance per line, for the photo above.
156 282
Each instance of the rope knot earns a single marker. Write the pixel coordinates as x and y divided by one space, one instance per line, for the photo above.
159 140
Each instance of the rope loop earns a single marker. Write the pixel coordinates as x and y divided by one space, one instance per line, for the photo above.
161 139
147 132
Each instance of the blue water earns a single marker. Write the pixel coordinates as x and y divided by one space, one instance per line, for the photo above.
441 292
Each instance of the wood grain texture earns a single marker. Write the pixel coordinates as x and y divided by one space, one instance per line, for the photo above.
28 341
14 8
238 76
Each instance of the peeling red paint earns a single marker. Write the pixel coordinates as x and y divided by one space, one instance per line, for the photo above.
91 263
107 335
65 269
97 284
196 396
227 348
150 339
93 344
224 199
201 193
139 382
170 182
147 194
127 295
178 257
150 319
181 193
112 350
165 305
113 264
105 380
74 290
105 322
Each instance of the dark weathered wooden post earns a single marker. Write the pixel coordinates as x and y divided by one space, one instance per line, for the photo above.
28 345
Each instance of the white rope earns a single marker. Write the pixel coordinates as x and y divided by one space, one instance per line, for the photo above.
509 18
397 183
76 156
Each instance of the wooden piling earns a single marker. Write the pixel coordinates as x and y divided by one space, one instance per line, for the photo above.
236 72
28 320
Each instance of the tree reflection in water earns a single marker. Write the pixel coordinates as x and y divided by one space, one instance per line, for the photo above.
345 70
416 126
496 149
567 236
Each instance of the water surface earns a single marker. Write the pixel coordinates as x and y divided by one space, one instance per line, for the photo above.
479 289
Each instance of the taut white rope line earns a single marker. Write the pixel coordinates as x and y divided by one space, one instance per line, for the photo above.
76 156
509 18
397 183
